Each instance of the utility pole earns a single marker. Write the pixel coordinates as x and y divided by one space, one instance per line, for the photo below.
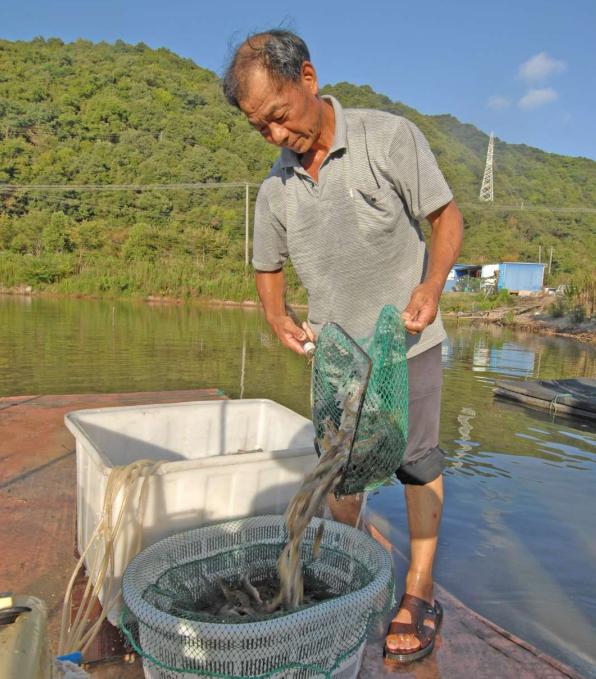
246 224
486 190
550 261
539 254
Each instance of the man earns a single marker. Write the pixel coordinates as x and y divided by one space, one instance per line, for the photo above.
344 201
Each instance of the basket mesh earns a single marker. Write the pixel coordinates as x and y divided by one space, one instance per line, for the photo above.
381 435
166 586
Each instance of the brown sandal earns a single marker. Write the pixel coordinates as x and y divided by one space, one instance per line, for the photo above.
419 610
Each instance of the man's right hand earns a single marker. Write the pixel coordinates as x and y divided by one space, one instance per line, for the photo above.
289 334
271 286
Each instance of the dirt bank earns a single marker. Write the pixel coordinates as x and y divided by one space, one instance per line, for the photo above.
530 314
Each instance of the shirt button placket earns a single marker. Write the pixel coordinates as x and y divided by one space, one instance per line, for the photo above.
313 187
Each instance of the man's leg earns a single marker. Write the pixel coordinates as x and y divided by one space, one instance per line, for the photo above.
421 474
346 509
425 504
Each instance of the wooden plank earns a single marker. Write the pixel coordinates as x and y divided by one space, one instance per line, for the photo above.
468 644
38 504
37 533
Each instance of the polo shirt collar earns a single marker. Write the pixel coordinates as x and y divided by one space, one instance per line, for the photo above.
289 158
340 139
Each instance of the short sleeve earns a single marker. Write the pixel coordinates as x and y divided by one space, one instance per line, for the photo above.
270 245
415 173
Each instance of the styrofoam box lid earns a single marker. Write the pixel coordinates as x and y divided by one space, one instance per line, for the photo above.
195 430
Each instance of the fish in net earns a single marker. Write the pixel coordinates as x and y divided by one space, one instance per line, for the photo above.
359 406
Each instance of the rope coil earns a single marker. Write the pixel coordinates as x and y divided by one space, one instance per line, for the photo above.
78 634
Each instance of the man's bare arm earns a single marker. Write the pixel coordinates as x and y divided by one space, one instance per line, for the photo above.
271 286
445 244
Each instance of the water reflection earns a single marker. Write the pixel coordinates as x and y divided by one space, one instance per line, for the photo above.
509 359
492 349
74 346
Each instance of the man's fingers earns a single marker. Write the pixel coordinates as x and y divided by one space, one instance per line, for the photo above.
412 325
416 323
293 336
426 315
294 345
410 318
413 309
308 330
416 315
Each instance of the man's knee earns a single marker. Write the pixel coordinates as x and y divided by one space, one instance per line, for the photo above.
423 470
346 509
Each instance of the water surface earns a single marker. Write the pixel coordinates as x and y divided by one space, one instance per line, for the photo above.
518 542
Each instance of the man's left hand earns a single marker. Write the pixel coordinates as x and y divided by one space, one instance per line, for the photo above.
423 307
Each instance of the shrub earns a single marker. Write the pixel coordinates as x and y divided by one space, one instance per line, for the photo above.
508 318
577 314
143 243
557 309
48 269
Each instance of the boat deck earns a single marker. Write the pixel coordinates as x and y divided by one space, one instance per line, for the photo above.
38 504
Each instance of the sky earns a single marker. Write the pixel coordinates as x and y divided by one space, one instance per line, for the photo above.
524 69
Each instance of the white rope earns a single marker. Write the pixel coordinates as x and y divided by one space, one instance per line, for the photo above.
552 407
77 635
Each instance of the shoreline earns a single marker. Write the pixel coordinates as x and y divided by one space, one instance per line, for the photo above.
541 326
538 326
152 300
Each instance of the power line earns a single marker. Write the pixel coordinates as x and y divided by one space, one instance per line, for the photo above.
528 208
33 188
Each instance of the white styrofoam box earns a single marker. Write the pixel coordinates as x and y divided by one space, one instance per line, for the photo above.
222 460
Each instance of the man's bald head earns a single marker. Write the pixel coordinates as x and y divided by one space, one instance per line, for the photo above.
281 54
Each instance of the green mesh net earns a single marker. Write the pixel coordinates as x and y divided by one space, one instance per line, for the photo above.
168 586
341 365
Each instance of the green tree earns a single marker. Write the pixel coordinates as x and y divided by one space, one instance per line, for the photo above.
89 236
56 235
144 242
84 113
206 242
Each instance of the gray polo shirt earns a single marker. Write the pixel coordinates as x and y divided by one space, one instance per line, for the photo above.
354 236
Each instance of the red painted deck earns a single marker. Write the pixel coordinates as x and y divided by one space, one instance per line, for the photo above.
37 534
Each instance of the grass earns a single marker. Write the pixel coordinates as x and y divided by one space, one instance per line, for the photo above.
180 277
471 302
579 300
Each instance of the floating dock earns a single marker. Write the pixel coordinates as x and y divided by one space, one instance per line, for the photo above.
38 537
574 397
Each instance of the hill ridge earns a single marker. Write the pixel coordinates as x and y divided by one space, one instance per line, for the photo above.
113 113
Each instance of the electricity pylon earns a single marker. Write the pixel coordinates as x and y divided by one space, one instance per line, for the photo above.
486 190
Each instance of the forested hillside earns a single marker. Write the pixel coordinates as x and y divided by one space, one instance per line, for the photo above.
101 114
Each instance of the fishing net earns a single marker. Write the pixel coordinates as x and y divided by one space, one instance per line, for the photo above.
340 366
170 620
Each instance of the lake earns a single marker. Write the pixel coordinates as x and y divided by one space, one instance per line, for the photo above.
518 541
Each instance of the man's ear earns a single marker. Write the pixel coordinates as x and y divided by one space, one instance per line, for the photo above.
309 78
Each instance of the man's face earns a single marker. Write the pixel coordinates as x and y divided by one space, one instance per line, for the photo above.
288 117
